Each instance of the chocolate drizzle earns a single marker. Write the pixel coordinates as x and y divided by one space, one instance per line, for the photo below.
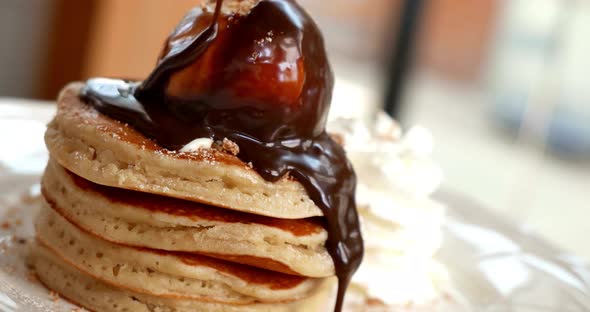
263 81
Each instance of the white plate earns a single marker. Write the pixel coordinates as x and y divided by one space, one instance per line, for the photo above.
494 265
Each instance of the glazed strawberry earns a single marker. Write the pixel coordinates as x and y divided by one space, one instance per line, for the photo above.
283 76
269 68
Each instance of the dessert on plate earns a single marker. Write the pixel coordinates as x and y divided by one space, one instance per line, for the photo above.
213 185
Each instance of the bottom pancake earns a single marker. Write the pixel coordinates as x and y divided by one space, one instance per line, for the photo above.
166 274
98 296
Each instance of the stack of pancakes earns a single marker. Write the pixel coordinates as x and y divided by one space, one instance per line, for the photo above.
130 226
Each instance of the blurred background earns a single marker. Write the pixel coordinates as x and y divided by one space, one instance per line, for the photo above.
501 84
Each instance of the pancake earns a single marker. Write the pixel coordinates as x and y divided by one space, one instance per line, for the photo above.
145 220
166 274
108 152
98 296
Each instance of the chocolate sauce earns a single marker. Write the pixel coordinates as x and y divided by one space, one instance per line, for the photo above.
263 81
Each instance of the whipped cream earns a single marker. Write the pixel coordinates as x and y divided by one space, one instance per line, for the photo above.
384 157
401 224
197 144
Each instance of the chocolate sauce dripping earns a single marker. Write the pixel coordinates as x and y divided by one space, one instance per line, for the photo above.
179 57
277 138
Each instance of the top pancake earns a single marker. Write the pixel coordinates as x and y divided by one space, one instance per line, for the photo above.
108 152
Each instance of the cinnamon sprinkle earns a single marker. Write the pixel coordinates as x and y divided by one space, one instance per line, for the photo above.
54 296
230 147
